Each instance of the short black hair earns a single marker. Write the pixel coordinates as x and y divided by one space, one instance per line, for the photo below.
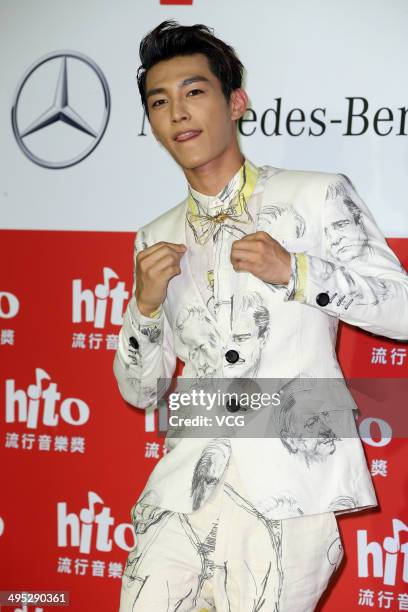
170 39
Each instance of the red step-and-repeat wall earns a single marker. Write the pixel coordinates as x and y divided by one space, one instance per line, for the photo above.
75 456
80 172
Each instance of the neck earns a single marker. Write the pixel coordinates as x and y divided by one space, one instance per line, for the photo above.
210 178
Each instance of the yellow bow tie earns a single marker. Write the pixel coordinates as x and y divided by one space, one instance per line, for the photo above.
204 225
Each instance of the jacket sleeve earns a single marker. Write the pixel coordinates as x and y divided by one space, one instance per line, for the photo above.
359 280
145 351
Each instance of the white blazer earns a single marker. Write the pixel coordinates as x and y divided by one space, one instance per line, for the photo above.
342 269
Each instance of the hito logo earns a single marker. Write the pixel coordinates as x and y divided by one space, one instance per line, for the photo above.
367 428
92 528
9 305
389 560
93 305
26 406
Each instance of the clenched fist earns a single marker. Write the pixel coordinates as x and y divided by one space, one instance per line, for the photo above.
155 266
263 256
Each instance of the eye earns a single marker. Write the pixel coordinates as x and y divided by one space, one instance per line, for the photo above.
162 100
154 103
341 224
192 90
239 339
312 421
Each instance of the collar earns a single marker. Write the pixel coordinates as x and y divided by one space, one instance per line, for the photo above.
243 182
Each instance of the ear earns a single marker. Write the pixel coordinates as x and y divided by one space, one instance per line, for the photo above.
238 103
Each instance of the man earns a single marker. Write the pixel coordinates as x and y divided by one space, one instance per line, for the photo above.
249 526
307 421
283 219
308 432
344 227
252 330
199 353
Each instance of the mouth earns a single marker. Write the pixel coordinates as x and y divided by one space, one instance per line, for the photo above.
347 247
188 135
232 365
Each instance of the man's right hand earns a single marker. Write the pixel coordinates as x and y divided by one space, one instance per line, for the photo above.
155 266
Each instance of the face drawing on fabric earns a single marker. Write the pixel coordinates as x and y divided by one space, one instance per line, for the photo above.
305 429
209 469
195 330
344 227
282 221
372 291
251 330
146 513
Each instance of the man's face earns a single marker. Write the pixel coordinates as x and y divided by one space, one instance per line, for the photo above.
282 226
347 238
202 348
199 105
311 433
246 342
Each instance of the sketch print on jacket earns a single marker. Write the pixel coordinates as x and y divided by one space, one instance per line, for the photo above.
225 325
205 542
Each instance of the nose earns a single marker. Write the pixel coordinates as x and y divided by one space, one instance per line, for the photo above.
339 237
178 111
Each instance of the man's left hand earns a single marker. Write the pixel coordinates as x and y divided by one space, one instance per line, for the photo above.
263 256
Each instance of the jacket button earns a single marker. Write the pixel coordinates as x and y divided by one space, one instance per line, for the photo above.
232 405
232 356
133 342
323 299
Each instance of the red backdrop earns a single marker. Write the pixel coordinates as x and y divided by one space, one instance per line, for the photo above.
75 456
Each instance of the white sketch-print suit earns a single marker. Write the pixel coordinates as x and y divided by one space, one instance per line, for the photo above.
337 252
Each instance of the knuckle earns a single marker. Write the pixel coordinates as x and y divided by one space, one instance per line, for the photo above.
171 259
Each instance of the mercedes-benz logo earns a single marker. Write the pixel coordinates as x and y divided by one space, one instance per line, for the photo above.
51 138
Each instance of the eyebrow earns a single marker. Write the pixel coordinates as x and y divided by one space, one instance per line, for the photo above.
187 81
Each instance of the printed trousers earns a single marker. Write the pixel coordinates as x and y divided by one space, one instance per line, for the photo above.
228 557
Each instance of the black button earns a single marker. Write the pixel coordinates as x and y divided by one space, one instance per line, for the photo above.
232 405
232 356
323 299
133 342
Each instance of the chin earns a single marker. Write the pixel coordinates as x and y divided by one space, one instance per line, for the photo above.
192 160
